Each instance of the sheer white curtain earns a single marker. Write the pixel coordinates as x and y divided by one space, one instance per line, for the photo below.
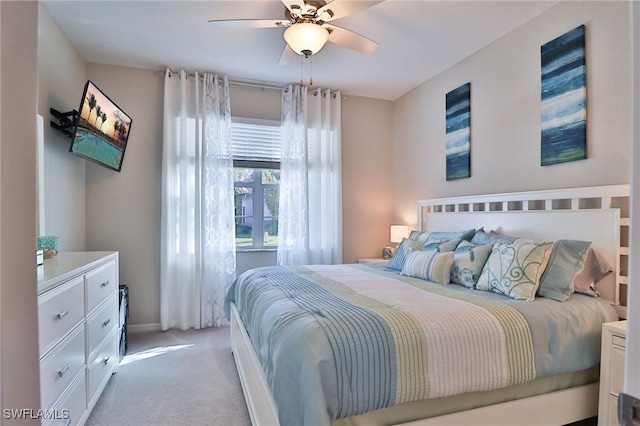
293 215
310 217
198 234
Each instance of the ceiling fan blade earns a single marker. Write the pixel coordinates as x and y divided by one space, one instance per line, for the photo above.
249 23
295 6
339 9
350 40
288 56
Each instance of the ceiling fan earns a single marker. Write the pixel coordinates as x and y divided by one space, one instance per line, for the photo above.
307 29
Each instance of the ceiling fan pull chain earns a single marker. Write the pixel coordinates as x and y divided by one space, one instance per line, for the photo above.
301 80
311 73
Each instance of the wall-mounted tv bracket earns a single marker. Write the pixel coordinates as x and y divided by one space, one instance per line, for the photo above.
66 121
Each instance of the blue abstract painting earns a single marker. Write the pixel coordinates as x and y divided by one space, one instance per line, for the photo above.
458 132
564 99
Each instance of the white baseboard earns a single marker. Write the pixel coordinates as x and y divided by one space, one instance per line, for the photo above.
141 328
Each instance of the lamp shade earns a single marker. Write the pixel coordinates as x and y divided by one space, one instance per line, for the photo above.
398 232
306 38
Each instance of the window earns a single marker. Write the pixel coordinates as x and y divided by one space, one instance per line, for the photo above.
256 169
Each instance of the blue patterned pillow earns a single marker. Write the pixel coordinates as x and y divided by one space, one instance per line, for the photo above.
514 269
428 265
468 261
566 262
397 261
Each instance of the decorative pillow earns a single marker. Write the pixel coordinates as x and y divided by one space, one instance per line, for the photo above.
419 235
514 269
565 263
595 269
468 261
442 246
446 236
428 265
492 237
397 261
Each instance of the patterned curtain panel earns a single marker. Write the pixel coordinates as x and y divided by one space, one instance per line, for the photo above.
293 222
198 235
310 227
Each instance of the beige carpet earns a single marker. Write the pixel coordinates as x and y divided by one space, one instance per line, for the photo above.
174 378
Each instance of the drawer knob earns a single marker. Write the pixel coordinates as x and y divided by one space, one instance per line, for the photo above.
62 314
106 360
63 371
106 323
104 284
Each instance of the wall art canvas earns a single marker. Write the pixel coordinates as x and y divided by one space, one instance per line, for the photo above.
458 132
564 99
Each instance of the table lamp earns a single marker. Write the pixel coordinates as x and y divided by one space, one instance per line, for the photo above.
398 232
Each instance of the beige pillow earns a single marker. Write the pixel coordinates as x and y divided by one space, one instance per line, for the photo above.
595 269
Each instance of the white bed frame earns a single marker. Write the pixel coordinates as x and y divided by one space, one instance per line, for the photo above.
598 214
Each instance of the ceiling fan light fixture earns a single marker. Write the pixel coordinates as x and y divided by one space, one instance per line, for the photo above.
306 38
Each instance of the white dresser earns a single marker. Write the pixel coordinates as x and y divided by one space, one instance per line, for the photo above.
78 332
614 338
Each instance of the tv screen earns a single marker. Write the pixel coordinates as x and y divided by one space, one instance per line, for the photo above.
102 129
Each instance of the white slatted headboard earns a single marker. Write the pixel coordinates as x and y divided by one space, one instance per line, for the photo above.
598 214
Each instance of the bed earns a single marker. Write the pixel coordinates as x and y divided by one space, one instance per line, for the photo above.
366 345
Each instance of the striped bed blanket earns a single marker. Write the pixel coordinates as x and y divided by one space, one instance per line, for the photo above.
341 340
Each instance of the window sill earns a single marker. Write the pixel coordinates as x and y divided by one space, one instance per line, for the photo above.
256 250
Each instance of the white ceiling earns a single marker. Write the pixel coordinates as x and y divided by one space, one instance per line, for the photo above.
418 39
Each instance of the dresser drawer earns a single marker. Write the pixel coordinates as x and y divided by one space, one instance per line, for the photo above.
59 310
101 282
613 411
617 370
619 341
100 324
71 408
60 366
102 364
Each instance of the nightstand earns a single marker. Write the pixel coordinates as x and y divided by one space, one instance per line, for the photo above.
372 260
614 337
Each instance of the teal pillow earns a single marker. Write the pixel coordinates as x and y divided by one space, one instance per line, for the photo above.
397 261
481 237
468 261
565 264
514 269
428 265
446 236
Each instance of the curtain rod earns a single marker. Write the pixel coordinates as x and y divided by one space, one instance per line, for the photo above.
259 85
247 83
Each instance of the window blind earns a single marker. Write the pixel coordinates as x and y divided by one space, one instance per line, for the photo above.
256 144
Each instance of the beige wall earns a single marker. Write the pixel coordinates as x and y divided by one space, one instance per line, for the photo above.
123 209
367 176
61 79
505 113
19 378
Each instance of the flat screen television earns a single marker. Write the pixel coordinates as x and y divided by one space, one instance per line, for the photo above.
102 129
